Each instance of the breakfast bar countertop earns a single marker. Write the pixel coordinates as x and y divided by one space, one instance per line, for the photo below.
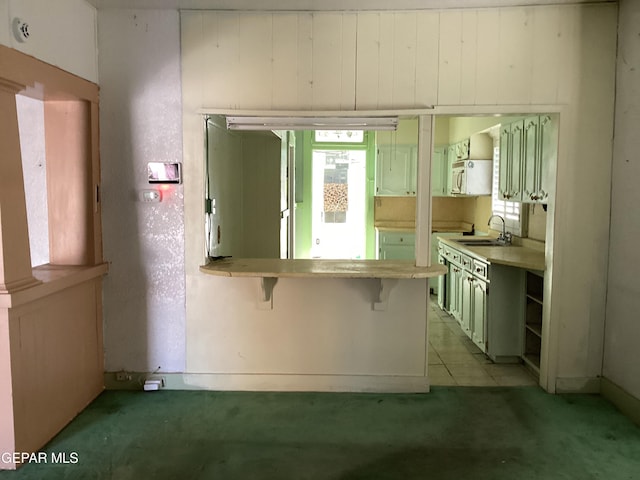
313 268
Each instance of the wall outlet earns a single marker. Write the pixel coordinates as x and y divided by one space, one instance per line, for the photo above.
123 376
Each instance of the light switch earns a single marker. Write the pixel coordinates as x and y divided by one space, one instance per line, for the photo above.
149 196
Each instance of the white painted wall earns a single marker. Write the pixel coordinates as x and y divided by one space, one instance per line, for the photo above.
62 33
323 334
555 56
34 171
140 122
509 60
622 355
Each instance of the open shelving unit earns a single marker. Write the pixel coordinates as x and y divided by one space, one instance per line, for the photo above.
533 320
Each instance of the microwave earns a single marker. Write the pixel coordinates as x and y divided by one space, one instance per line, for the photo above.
471 177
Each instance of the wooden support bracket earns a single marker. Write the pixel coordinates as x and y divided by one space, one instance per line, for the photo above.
265 302
386 285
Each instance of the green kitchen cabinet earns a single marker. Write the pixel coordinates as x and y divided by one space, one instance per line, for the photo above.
466 321
396 245
493 321
511 161
474 308
396 170
540 150
479 312
439 172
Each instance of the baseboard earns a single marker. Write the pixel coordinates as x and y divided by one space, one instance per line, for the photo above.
273 382
623 400
578 385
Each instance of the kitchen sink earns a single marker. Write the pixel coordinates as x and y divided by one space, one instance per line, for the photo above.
481 242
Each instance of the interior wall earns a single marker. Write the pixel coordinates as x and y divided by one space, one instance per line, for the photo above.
34 171
537 222
323 331
140 122
559 56
62 34
622 356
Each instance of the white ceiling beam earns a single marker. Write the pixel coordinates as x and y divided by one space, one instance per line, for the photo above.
321 5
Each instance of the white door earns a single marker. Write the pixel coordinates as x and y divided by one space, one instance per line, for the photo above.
338 204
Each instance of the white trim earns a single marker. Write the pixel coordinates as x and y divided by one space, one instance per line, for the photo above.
578 385
316 113
278 382
423 191
495 110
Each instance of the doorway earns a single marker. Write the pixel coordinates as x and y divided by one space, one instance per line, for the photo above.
339 203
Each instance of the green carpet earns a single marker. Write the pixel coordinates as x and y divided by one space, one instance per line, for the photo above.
450 433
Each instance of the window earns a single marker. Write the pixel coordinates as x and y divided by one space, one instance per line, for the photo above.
512 212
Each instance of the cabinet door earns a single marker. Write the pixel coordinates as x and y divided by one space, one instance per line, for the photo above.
397 246
540 150
511 153
455 287
466 321
515 170
479 315
463 149
398 252
442 290
531 159
451 159
396 170
438 169
412 170
505 162
548 154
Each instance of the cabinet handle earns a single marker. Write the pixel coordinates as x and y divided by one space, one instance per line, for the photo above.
478 270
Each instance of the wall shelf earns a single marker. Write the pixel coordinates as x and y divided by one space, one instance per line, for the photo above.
533 320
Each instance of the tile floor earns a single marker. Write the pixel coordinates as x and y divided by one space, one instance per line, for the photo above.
455 360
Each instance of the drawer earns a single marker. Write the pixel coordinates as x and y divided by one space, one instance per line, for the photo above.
466 262
456 257
480 269
397 238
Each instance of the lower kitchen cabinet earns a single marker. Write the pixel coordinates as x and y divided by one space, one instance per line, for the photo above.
396 245
474 308
487 300
479 312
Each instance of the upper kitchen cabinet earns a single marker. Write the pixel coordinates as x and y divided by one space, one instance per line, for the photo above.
540 150
396 168
439 172
478 146
397 159
527 148
511 154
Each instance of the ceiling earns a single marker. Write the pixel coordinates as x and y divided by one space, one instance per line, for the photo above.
320 5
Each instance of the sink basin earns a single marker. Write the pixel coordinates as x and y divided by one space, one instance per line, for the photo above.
481 242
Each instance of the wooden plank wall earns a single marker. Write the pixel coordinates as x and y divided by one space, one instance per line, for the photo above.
378 60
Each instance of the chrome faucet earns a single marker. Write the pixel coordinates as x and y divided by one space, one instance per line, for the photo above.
504 237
